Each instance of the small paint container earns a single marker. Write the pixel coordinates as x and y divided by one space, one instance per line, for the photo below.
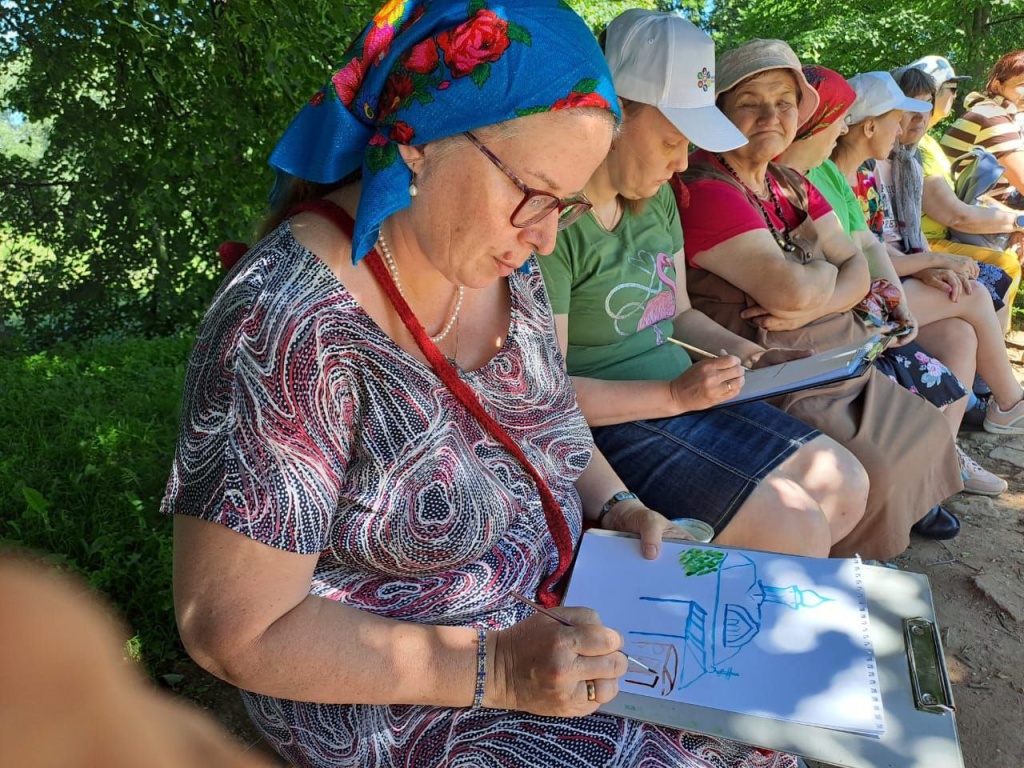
700 530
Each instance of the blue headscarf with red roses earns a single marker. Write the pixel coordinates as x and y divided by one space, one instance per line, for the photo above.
423 70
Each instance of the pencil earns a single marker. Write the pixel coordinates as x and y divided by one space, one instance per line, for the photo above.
551 615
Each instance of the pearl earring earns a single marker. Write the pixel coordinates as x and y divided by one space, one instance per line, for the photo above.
413 189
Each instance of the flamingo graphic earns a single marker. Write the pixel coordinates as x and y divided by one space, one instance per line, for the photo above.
661 306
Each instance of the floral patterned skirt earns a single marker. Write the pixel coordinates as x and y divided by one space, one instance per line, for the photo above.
914 369
996 281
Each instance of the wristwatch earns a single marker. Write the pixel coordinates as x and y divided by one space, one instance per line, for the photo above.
620 496
1018 223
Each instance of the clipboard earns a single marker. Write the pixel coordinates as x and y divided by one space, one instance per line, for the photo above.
828 367
914 685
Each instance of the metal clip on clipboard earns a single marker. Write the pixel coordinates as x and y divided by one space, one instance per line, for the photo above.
929 679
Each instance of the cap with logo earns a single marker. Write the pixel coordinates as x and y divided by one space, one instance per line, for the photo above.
877 93
938 68
756 56
663 60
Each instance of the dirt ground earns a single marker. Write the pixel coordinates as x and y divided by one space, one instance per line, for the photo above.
977 582
978 586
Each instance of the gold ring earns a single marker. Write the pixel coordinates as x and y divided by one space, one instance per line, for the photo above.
728 385
591 691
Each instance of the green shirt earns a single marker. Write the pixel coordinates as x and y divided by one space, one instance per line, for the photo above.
619 290
935 164
836 189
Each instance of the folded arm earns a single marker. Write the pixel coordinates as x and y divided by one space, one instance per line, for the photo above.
854 278
842 278
755 264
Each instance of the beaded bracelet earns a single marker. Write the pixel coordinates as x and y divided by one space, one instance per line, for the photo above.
481 668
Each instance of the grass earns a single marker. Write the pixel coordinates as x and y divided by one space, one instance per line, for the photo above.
88 436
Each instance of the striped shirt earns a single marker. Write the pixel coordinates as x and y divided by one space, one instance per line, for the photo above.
992 124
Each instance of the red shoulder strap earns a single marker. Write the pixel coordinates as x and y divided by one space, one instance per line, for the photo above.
548 591
231 251
331 211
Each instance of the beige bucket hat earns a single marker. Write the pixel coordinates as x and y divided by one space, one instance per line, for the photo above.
756 56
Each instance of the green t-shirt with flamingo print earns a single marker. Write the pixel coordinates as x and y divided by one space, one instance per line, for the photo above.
619 290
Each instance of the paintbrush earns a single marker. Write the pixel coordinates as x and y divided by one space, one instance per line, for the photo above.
551 615
697 350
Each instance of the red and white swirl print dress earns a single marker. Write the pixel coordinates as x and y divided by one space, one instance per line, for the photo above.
306 428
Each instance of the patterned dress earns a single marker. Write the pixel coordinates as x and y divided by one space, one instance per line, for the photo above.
911 366
877 208
306 428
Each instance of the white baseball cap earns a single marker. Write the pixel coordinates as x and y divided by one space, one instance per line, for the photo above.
938 68
663 60
877 93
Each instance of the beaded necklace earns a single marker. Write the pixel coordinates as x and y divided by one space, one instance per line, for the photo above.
393 269
782 238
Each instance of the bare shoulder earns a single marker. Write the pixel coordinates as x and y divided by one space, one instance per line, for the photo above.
324 239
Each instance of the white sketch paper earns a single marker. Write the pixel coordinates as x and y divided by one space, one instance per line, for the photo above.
738 630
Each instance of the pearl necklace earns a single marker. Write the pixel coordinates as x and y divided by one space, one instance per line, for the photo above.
393 269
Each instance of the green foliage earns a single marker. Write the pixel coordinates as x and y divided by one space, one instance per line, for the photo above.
700 562
158 119
161 116
597 13
18 137
875 34
88 440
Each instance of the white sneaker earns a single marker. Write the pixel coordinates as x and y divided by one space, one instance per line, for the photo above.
977 479
1000 422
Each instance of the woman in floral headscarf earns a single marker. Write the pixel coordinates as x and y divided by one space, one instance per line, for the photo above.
379 443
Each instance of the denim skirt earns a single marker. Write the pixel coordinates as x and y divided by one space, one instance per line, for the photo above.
703 464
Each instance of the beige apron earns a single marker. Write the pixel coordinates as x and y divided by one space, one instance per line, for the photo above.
902 440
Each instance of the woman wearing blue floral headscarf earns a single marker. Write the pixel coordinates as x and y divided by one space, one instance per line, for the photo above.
379 443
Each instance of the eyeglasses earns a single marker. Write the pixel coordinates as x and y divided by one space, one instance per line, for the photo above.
536 204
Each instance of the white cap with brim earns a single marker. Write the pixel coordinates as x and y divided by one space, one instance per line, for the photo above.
663 60
877 93
938 68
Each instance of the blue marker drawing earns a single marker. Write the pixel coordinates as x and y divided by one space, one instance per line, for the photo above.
738 631
711 635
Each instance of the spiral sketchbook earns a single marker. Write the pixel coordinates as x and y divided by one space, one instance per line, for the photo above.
742 631
828 367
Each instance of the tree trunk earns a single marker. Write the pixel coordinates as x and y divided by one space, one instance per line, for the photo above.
975 64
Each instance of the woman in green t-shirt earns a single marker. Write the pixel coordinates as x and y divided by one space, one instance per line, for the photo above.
761 478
